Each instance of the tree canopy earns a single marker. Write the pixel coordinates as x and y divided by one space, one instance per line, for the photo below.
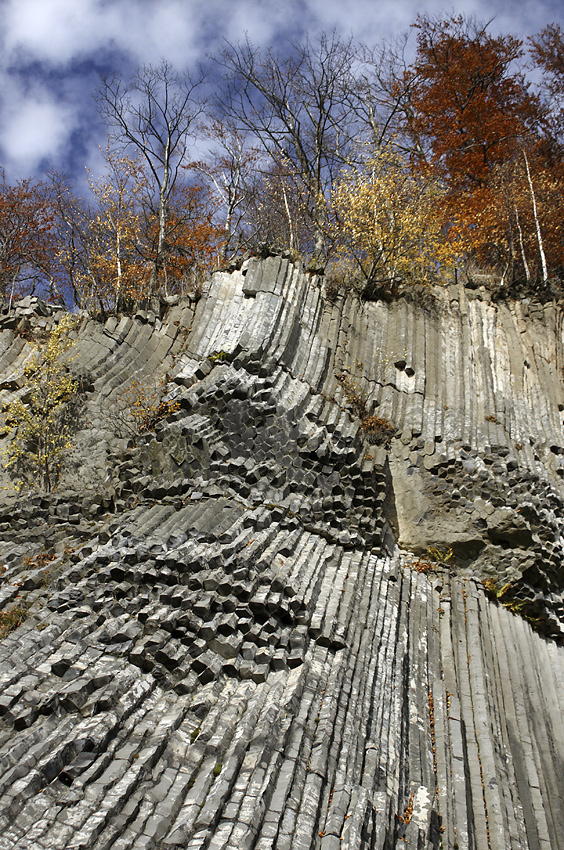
403 169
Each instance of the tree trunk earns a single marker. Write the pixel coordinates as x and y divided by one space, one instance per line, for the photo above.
522 247
161 242
537 223
319 229
289 217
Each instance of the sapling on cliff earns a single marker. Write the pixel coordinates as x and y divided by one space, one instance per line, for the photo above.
41 421
138 407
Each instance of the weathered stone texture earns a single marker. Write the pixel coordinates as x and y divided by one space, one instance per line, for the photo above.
236 638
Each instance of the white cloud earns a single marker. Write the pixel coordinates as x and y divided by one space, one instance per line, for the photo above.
35 129
53 31
370 21
43 102
168 29
57 31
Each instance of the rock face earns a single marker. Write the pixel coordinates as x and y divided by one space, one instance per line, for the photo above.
236 636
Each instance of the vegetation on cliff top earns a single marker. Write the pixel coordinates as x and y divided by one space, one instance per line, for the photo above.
400 170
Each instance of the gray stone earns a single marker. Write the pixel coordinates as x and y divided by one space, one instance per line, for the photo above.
237 653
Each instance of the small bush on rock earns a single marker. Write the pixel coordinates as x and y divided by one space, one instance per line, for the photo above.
11 619
139 407
354 394
378 429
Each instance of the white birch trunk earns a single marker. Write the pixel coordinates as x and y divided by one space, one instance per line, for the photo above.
537 223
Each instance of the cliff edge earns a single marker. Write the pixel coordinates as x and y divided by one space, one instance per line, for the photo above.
319 605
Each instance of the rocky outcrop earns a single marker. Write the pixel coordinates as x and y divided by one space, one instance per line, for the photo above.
236 634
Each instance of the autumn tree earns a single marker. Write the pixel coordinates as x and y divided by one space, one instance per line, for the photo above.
389 224
116 231
155 115
470 109
193 239
107 243
26 236
99 238
41 422
531 193
72 215
474 121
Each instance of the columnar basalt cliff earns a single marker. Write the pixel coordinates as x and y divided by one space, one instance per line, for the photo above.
319 606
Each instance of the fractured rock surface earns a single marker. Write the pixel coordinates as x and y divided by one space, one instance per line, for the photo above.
236 637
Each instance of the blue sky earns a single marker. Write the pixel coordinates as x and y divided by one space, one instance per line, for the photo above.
52 52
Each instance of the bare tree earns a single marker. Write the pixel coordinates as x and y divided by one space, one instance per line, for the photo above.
230 168
154 113
547 53
381 98
278 215
299 108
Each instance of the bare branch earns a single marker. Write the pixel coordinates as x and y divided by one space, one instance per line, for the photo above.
155 113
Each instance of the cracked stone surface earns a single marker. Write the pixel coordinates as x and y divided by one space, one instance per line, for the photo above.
236 636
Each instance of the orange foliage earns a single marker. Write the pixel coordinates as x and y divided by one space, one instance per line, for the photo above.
26 235
109 249
476 123
470 108
193 242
